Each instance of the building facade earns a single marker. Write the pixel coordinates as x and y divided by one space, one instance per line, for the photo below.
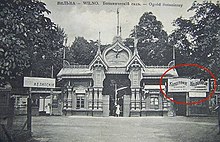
116 76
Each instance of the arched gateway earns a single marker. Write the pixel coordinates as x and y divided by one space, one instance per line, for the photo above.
115 76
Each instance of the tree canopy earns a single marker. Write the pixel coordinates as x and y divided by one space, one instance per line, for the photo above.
197 39
152 41
83 51
29 40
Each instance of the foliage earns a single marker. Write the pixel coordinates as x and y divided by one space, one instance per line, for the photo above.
197 38
28 39
43 61
152 41
82 51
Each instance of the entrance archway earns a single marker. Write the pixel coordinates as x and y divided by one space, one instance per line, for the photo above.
113 82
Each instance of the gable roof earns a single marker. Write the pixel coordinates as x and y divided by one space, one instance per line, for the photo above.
98 58
133 59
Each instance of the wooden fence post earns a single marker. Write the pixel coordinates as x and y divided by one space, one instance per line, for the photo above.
29 109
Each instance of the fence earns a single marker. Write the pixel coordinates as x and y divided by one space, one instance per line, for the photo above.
15 126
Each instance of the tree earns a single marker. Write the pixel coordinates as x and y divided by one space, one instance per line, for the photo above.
198 38
82 51
43 60
27 37
152 41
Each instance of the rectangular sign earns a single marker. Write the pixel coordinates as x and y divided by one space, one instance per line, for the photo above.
199 85
187 85
197 94
37 82
178 85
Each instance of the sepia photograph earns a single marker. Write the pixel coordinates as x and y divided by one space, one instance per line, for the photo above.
109 70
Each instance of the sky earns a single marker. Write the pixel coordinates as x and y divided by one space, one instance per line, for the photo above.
84 20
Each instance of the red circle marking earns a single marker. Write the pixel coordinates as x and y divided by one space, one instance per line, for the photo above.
187 65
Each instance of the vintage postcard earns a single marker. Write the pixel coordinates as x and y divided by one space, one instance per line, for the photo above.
109 70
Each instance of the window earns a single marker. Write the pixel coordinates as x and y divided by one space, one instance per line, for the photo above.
154 102
80 102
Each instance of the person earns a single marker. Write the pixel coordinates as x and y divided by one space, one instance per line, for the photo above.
117 110
64 110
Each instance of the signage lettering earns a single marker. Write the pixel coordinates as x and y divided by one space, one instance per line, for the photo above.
186 85
37 82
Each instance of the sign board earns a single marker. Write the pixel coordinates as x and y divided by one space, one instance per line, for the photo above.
37 82
187 85
197 94
178 85
198 85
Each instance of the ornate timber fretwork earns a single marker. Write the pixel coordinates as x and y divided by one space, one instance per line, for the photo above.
136 64
98 62
117 55
98 68
66 63
117 48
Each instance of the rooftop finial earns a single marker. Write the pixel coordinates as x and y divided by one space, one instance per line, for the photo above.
135 41
99 44
118 38
117 22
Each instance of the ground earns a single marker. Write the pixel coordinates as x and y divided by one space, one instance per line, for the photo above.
124 129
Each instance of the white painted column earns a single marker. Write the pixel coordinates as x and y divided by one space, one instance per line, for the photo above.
143 103
95 97
69 99
137 99
132 99
100 99
90 98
